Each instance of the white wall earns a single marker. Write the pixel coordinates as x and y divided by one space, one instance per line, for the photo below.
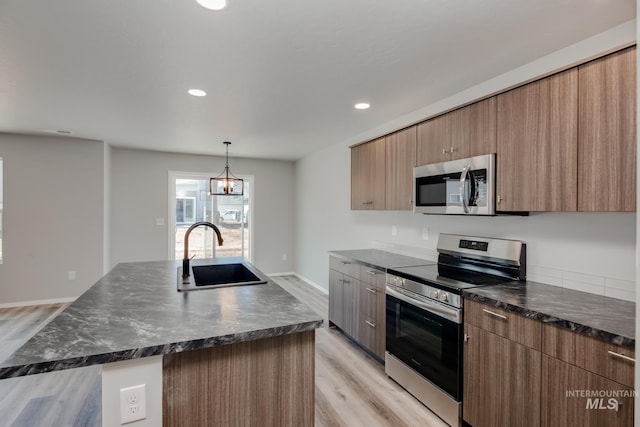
139 195
53 217
592 252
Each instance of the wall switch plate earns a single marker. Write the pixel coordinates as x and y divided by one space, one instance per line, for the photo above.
284 257
159 221
133 404
71 275
394 230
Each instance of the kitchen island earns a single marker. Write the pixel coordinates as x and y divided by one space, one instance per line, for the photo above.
231 355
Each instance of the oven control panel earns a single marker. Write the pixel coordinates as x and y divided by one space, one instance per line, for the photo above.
474 245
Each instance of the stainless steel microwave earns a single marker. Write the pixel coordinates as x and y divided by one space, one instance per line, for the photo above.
456 187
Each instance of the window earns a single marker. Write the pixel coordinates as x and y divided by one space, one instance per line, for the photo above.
190 202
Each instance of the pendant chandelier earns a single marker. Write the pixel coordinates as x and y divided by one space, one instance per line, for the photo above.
226 184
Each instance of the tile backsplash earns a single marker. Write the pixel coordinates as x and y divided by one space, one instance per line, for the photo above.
600 285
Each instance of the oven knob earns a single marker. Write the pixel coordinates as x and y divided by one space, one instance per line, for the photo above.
433 294
444 297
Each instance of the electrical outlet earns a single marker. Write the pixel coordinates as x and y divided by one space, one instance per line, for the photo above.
284 257
133 402
159 221
425 233
71 275
394 230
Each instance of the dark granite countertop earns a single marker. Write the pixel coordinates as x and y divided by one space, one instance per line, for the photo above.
607 319
376 258
135 311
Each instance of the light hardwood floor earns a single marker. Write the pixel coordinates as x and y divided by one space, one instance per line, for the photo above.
352 389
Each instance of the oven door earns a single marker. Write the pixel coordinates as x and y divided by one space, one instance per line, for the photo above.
426 336
460 187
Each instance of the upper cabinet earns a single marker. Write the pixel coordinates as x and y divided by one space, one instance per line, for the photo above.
400 161
466 132
368 175
537 145
607 143
566 142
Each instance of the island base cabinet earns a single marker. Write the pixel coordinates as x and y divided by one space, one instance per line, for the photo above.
576 397
266 382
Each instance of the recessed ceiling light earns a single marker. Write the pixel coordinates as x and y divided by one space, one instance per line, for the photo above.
213 4
197 92
362 106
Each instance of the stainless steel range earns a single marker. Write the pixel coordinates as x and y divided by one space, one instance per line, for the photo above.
424 315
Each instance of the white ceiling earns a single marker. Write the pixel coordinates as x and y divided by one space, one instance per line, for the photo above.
282 76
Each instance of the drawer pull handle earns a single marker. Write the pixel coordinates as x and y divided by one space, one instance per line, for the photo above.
622 356
346 281
373 291
373 272
345 262
500 316
373 325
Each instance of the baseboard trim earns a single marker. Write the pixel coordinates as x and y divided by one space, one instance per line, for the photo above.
285 273
37 302
312 283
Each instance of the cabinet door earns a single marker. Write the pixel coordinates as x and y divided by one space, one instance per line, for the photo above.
351 306
368 175
336 298
473 129
400 161
565 403
501 384
537 145
433 136
607 146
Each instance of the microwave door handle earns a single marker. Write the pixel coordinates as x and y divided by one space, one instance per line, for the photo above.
463 179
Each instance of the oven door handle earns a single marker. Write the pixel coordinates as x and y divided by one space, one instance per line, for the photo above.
448 313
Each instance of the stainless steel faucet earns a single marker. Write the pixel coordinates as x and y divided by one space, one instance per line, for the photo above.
185 260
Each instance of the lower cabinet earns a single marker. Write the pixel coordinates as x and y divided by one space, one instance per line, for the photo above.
371 332
520 372
501 381
576 397
357 303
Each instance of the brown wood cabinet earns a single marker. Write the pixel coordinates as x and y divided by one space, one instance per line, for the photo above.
466 132
501 384
509 325
576 397
400 161
357 303
566 142
518 371
267 382
344 296
537 135
607 144
609 360
368 173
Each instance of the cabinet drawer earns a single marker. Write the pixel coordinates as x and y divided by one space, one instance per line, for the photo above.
373 276
609 360
350 268
504 323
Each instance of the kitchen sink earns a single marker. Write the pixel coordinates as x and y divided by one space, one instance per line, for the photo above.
218 275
